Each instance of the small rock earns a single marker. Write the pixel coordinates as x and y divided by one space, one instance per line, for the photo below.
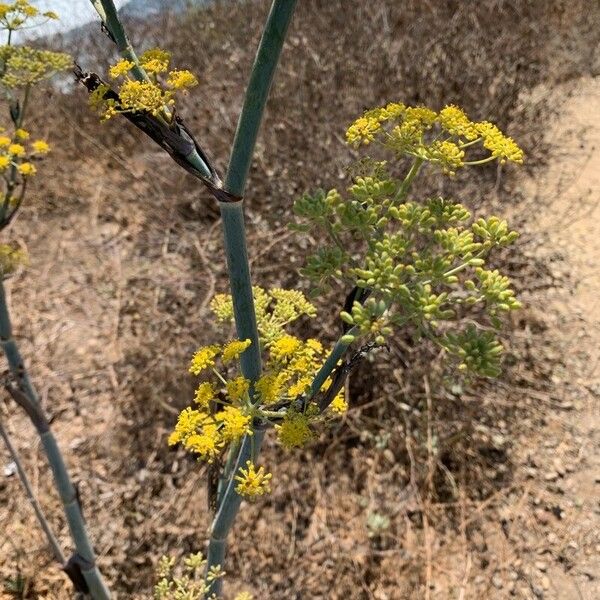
558 466
540 565
538 591
497 581
551 476
545 582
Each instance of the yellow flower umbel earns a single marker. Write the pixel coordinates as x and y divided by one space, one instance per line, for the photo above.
252 483
228 406
144 93
204 394
17 156
234 423
442 138
204 358
233 350
295 430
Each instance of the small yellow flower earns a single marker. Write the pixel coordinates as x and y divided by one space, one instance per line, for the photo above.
204 394
285 347
363 130
16 149
314 345
121 68
4 161
252 483
21 134
144 96
447 154
501 146
206 444
4 141
222 307
244 596
40 147
233 350
454 120
339 405
188 423
294 431
181 79
299 387
204 359
155 60
238 388
269 388
234 423
26 169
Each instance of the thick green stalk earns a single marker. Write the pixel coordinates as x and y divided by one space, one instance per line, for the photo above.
257 93
232 215
37 509
62 480
108 13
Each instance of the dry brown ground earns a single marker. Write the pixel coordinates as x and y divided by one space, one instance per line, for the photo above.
503 500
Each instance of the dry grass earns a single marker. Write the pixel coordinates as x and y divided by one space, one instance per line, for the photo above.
126 252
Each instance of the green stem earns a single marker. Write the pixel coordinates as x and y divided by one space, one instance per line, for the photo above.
257 92
11 350
62 480
412 173
39 513
108 13
261 78
329 365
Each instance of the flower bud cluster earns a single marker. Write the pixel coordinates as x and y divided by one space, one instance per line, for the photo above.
423 262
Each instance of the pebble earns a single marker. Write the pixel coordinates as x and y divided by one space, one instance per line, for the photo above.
497 581
540 565
545 582
538 591
558 466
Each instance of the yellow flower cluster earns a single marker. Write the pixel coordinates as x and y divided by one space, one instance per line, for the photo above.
251 482
16 152
10 259
502 147
275 309
295 430
17 14
204 358
289 369
25 66
440 138
198 429
206 435
147 95
225 411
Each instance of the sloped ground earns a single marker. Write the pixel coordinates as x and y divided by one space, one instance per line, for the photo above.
491 493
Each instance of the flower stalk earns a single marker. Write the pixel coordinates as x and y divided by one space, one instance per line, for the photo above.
37 509
232 214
